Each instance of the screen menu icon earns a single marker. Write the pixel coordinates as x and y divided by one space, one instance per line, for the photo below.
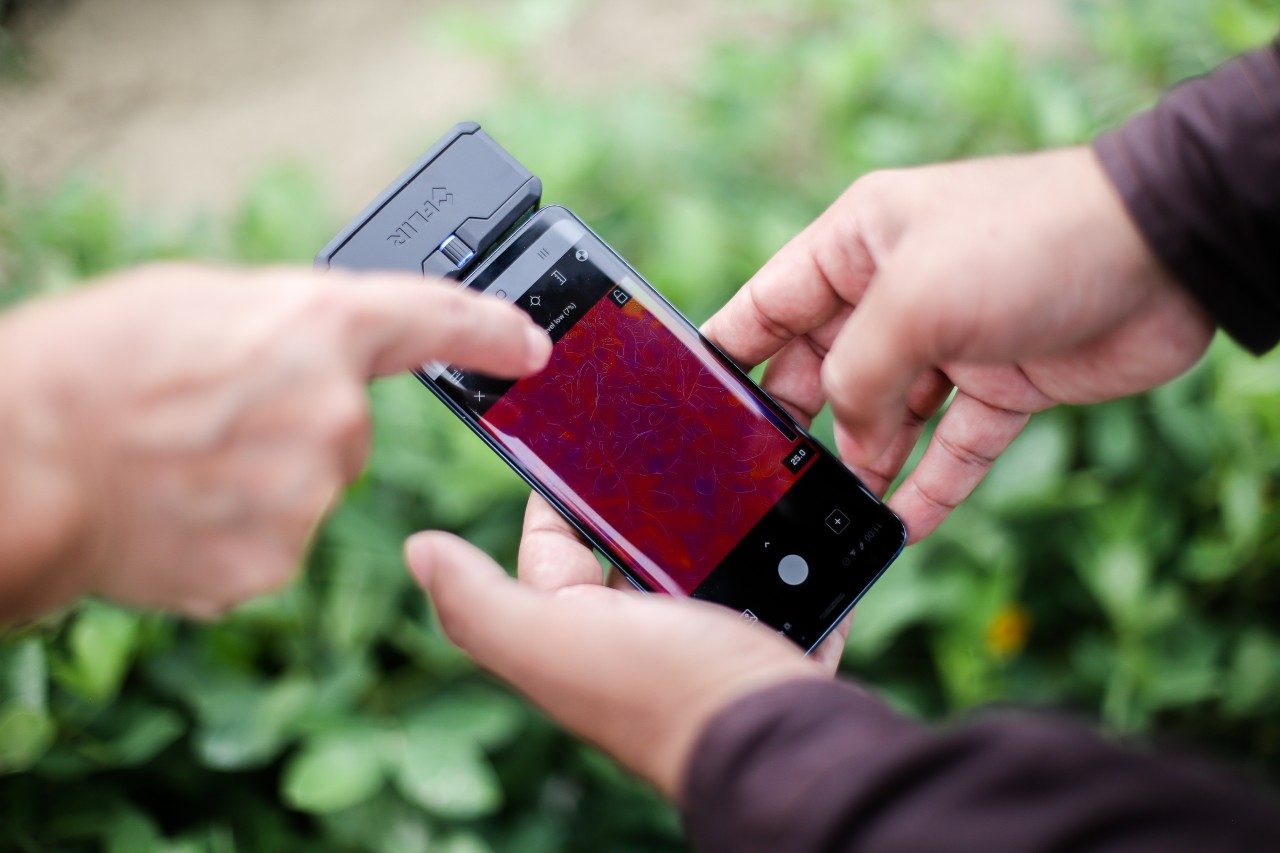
838 521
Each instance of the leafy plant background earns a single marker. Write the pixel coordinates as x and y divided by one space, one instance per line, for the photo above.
1119 562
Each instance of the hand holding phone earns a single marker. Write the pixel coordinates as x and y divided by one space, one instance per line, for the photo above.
654 445
898 295
640 676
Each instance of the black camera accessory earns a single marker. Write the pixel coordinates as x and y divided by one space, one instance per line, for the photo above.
443 214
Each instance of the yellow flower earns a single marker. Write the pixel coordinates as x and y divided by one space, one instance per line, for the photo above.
1008 630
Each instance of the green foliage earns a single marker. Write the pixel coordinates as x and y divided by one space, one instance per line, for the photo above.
12 61
1118 561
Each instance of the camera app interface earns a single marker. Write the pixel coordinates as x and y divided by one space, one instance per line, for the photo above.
654 443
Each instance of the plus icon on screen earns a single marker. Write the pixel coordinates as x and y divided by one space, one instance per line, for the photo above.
837 521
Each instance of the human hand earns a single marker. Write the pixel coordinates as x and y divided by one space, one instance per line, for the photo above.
190 426
1019 281
553 556
638 675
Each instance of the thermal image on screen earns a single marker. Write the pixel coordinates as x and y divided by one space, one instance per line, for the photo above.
646 442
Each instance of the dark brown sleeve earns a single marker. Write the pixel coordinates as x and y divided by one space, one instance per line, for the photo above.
815 766
1200 174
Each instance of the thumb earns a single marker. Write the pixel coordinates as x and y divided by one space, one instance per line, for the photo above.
481 609
530 638
888 342
639 676
400 324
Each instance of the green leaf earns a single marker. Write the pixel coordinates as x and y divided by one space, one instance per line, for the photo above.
100 646
145 732
25 735
487 716
1119 577
364 575
1210 562
1242 24
1031 470
282 218
1242 504
448 776
385 822
333 771
27 676
1186 676
1253 679
465 842
698 174
1114 436
132 830
901 598
243 725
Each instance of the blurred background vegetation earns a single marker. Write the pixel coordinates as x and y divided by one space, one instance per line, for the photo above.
1119 562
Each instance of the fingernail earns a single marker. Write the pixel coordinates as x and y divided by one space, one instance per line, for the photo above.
539 348
418 556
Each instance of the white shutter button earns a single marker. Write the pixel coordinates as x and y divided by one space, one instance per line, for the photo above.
793 569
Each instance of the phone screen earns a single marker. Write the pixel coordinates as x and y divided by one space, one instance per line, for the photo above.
679 468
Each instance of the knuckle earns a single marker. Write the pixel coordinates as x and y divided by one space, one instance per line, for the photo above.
244 571
301 514
936 499
200 608
324 303
355 454
912 277
876 202
834 376
763 314
279 574
964 453
874 189
345 420
295 325
273 569
317 311
870 185
546 575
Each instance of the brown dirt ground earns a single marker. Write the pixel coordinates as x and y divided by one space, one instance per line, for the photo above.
179 103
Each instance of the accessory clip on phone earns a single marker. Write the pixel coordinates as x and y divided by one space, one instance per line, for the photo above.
442 215
653 444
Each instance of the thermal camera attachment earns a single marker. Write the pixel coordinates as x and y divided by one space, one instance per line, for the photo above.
442 215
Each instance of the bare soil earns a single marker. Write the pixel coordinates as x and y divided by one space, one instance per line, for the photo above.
179 103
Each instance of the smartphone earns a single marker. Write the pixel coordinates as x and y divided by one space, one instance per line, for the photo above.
660 450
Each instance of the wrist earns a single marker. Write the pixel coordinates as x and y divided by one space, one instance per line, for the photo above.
698 716
42 516
1123 252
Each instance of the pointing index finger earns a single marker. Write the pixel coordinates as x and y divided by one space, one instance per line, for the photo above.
398 324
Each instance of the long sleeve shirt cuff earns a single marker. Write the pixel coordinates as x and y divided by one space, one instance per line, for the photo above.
1200 175
812 765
